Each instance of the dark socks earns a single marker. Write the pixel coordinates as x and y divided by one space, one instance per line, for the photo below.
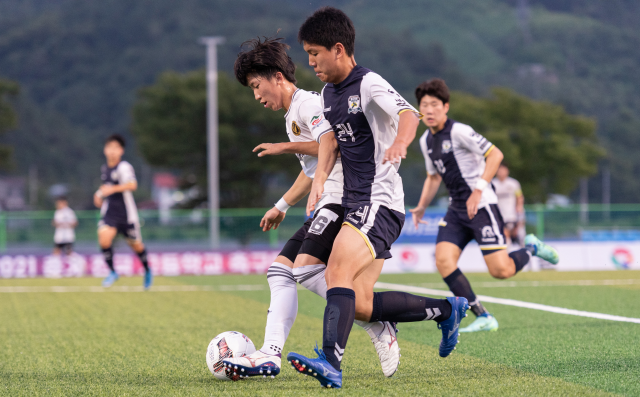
338 320
521 257
108 257
401 307
459 285
143 258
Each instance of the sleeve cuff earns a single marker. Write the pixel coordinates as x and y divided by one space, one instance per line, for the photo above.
321 134
489 150
420 115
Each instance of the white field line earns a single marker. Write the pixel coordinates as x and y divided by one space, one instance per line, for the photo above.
510 302
157 288
553 283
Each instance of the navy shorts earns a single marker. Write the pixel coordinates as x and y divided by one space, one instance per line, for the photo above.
486 228
131 231
378 225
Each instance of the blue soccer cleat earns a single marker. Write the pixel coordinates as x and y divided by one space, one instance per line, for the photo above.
450 326
148 279
319 368
542 250
484 322
111 278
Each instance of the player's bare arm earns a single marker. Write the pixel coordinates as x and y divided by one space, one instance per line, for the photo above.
429 190
296 192
407 127
493 160
274 149
327 155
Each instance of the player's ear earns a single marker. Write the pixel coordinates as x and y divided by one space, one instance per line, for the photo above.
339 50
446 108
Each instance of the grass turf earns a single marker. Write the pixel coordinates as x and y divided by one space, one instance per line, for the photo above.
133 343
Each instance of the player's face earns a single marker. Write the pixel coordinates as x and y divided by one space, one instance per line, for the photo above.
323 61
434 111
60 204
503 173
267 91
113 152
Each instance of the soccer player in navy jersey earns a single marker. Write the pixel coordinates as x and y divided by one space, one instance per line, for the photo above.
466 162
372 128
118 212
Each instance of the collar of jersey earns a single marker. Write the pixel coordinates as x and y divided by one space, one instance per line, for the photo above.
447 127
356 73
291 104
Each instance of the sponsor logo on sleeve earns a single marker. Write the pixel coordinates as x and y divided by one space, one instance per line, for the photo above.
316 120
295 128
354 104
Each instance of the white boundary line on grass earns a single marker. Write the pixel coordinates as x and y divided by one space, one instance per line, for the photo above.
549 283
509 302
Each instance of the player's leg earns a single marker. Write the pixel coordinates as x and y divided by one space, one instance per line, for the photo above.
68 249
281 315
56 249
134 239
106 234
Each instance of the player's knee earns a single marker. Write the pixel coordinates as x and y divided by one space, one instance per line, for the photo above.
501 272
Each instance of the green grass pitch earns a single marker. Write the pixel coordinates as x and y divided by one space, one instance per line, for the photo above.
154 343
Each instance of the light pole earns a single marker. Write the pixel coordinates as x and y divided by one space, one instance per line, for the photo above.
213 162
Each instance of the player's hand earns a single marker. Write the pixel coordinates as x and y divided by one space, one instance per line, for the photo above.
472 203
269 149
314 196
272 218
395 153
417 214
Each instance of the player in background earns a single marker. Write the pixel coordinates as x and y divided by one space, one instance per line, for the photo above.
467 162
267 69
372 128
511 205
65 222
118 211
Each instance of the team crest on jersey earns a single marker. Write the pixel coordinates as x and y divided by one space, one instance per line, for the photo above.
487 234
295 128
114 175
446 146
354 104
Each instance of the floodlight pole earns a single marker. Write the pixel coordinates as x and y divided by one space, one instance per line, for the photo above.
213 161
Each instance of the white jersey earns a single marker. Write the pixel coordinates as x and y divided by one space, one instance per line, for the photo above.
65 233
508 192
364 111
457 153
304 119
119 207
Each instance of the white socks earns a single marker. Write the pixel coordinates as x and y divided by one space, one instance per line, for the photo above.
283 308
312 278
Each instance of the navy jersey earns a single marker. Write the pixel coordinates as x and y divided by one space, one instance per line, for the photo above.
457 153
119 207
364 111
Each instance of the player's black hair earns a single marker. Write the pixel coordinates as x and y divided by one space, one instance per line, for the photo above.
327 27
61 198
264 58
115 138
434 87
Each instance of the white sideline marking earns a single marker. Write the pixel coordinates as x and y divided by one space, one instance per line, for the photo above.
124 288
510 302
553 283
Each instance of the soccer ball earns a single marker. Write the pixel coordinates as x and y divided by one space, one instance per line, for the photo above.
227 345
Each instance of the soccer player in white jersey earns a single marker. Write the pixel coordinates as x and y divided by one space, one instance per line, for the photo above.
118 211
466 162
372 128
65 222
267 69
511 204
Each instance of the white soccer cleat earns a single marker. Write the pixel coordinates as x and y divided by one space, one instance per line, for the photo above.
254 364
386 345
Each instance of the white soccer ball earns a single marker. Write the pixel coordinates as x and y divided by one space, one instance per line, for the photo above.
227 345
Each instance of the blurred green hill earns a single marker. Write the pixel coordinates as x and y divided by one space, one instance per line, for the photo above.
79 64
